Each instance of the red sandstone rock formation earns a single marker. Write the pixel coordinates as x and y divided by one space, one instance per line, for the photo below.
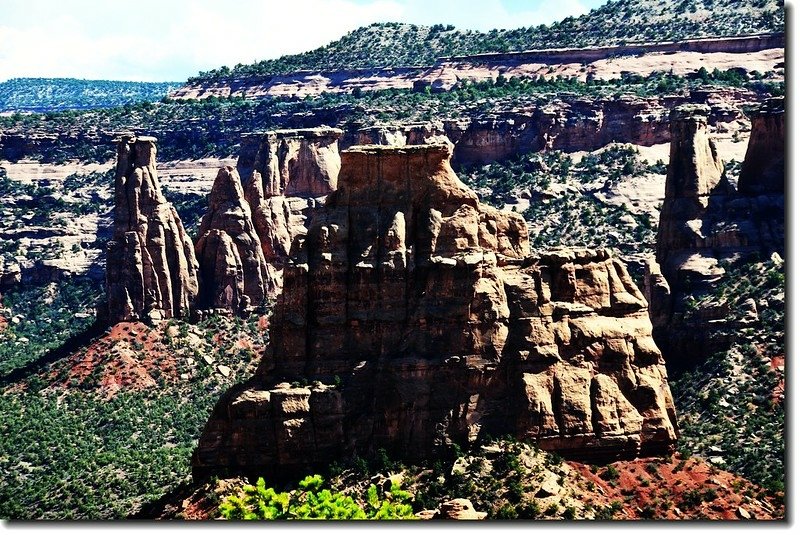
233 271
694 174
705 220
418 319
286 172
293 163
704 217
152 271
764 167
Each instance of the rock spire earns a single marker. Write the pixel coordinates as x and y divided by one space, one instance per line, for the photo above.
152 271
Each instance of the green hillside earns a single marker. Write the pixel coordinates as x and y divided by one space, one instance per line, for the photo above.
617 22
54 94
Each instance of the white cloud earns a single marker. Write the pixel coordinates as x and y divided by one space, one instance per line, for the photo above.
153 40
160 40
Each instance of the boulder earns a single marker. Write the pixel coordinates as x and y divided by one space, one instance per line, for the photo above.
458 509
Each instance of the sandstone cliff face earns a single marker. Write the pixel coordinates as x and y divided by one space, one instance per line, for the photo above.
760 52
568 125
233 271
563 126
418 318
398 135
286 174
151 270
706 219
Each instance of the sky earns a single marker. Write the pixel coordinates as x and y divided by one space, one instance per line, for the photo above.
171 40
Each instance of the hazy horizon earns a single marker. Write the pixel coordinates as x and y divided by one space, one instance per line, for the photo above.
172 41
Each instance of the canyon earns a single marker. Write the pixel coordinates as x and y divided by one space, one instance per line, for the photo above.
538 284
413 317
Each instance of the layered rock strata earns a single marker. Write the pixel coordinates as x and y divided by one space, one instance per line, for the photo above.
417 318
286 174
756 52
709 219
233 272
567 124
151 268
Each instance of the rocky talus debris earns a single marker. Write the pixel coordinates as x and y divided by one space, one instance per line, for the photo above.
151 267
413 316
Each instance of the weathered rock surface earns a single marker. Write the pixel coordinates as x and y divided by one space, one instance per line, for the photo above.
707 220
398 135
293 163
233 271
286 174
151 268
566 126
417 318
567 123
458 509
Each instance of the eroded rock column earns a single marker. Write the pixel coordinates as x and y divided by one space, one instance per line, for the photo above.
151 270
233 271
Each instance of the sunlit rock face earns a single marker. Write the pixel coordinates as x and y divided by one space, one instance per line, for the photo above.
286 174
413 316
151 270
